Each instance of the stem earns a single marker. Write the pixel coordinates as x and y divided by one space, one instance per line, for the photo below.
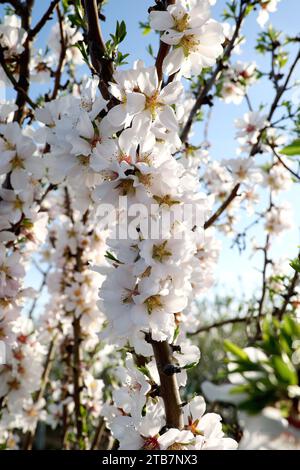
162 52
77 377
98 434
223 207
288 295
202 92
62 55
97 49
23 82
228 321
13 81
46 17
30 435
168 385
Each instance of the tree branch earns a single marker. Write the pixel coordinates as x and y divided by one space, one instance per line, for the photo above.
102 65
228 321
24 60
29 438
168 384
162 51
223 207
288 295
203 91
13 81
62 55
46 17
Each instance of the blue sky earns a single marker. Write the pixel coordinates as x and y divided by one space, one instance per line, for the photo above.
221 130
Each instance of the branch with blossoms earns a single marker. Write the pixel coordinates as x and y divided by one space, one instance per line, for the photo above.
107 195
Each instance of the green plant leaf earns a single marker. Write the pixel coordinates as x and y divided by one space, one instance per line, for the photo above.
292 149
235 350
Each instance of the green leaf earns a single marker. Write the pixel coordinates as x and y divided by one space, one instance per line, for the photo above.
190 366
284 370
292 149
295 264
235 350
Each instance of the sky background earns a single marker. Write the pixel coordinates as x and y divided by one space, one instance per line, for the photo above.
235 272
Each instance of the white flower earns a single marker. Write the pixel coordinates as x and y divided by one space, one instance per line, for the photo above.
143 101
174 439
196 38
12 36
33 412
279 219
278 178
243 169
249 128
14 204
17 156
71 37
266 7
206 428
11 270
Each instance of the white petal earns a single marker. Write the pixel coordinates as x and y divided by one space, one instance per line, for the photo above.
161 20
168 119
173 61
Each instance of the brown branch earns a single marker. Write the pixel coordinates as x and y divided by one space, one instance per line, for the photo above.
62 55
203 91
282 88
13 81
261 302
97 49
98 434
162 52
228 321
76 364
16 4
284 164
287 297
280 91
29 438
77 377
46 17
169 390
223 207
255 147
43 283
24 61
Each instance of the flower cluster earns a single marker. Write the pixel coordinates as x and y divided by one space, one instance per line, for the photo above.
195 37
236 80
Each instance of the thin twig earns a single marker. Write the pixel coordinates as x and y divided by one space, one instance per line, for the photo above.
287 297
97 49
62 55
162 52
46 17
203 91
24 61
284 164
30 435
13 81
228 321
223 207
43 283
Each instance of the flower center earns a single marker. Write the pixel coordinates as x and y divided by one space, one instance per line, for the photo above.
181 24
151 444
250 128
189 44
152 103
153 303
17 162
159 252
